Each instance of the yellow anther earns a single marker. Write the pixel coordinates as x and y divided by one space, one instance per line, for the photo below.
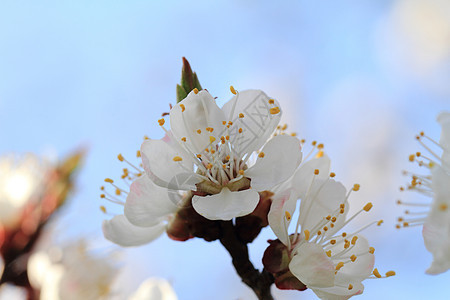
274 110
332 225
443 207
241 115
109 180
195 91
319 232
293 134
103 209
356 187
199 155
320 146
271 101
230 123
344 234
261 154
411 157
332 242
371 250
354 239
224 166
390 273
227 137
316 172
224 122
314 143
341 211
319 154
102 196
368 206
353 257
177 158
284 127
138 153
102 188
405 224
350 286
146 137
328 218
118 192
346 244
380 222
213 151
303 141
233 90
325 228
240 130
418 154
199 131
431 164
332 174
333 219
328 253
209 166
376 273
339 265
422 133
120 157
161 122
182 107
398 226
401 189
306 232
241 172
183 139
227 157
342 205
212 139
287 215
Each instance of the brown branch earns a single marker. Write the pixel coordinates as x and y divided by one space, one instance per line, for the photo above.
259 282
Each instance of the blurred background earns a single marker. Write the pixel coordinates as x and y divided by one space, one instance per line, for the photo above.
363 77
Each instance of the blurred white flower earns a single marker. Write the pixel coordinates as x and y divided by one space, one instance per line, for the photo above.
71 273
21 181
434 214
327 260
154 289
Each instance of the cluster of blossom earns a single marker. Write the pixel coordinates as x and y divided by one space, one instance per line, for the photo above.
434 211
237 163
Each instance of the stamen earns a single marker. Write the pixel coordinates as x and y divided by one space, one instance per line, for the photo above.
233 90
390 273
241 115
161 122
195 91
261 154
274 110
376 273
271 101
371 250
177 158
368 206
287 215
182 107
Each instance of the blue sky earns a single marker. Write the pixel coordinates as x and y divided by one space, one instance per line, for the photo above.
98 74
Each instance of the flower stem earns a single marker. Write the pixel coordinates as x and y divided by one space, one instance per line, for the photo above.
259 282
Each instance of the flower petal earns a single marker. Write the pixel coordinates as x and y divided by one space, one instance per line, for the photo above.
154 289
281 202
312 266
226 205
159 164
282 155
444 119
304 175
197 112
258 122
121 232
148 204
340 291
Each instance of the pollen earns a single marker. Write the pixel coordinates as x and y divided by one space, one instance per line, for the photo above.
320 146
328 253
195 91
183 139
371 250
199 131
339 265
344 234
230 123
354 239
227 137
103 209
353 257
319 154
212 139
241 172
261 154
102 188
240 130
332 242
332 174
102 196
120 157
109 180
274 110
224 122
325 228
376 273
138 153
118 192
177 158
233 90
368 206
287 215
306 232
411 157
356 187
390 273
271 101
199 156
182 107
241 115
328 218
333 219
316 172
350 286
161 122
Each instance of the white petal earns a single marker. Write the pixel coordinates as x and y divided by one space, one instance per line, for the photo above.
148 204
39 264
281 202
282 155
226 205
121 232
158 160
154 289
340 292
303 176
257 124
444 120
312 266
200 112
323 198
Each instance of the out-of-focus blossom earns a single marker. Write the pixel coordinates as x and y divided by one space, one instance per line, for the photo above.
71 272
434 213
154 289
321 256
